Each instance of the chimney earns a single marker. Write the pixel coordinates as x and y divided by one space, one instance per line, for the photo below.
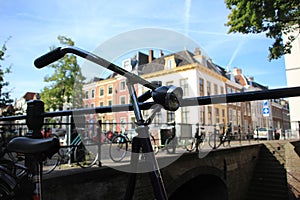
251 80
150 57
237 71
161 53
197 51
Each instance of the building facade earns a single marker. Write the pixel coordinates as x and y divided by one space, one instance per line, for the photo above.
197 75
292 67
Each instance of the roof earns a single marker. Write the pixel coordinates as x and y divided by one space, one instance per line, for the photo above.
29 95
182 58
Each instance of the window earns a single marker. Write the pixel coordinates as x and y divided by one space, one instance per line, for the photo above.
202 115
157 119
169 64
221 90
93 93
169 83
208 88
209 115
122 85
248 109
101 104
217 112
230 118
228 90
110 89
92 105
109 102
239 117
215 89
127 64
223 115
185 87
170 116
185 115
201 87
86 94
122 99
234 117
101 91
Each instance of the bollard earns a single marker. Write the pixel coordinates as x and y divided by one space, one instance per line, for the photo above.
35 118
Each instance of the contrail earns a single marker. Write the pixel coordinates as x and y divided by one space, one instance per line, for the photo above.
235 53
187 16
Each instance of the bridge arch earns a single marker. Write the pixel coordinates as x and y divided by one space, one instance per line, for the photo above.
200 183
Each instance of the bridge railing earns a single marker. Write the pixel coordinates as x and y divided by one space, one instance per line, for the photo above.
36 121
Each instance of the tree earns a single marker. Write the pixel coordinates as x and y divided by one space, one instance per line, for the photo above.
65 83
4 94
273 17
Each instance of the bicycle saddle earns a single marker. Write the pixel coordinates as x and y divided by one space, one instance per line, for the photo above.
47 146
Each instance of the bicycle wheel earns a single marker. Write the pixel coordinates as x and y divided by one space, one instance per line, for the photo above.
86 156
190 146
118 148
226 142
6 193
51 163
14 182
214 141
154 145
170 145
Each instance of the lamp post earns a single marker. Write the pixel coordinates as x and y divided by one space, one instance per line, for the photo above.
282 103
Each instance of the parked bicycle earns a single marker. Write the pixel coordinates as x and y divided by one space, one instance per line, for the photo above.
4 154
82 151
186 142
216 139
198 140
23 182
121 144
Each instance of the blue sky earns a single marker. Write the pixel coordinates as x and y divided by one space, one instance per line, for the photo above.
35 25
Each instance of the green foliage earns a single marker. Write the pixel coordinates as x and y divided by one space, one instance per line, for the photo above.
272 17
65 83
4 94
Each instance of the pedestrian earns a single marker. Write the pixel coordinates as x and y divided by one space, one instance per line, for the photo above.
276 134
198 135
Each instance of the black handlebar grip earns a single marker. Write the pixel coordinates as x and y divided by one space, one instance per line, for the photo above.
48 58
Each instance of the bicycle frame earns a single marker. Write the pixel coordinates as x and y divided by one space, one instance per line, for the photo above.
76 141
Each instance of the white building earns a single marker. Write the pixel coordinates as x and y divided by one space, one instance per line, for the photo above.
197 76
292 67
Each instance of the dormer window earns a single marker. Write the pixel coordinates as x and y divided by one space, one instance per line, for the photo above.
170 62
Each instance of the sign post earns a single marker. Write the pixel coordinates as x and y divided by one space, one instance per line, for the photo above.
266 113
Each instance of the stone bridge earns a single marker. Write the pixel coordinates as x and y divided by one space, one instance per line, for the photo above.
269 170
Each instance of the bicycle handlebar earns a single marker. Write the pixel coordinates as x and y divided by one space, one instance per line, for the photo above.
60 52
48 58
